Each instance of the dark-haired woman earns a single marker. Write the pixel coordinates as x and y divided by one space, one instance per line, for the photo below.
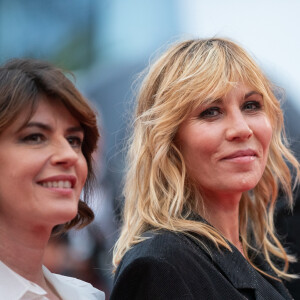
48 133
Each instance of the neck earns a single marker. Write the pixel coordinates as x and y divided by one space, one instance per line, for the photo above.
22 249
223 213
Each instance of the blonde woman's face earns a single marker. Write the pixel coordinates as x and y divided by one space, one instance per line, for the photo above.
225 144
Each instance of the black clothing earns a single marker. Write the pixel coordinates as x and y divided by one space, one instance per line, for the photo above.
176 266
287 223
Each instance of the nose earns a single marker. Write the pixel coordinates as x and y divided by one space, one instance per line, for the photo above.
63 154
238 127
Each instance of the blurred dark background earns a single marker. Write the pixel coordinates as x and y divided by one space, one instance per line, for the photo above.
106 43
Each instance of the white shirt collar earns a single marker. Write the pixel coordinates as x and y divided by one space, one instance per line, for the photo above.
19 288
64 288
16 286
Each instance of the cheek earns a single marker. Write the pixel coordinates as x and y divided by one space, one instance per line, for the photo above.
266 133
82 170
198 146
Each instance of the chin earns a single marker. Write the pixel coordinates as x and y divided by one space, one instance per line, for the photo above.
65 215
246 187
70 215
245 183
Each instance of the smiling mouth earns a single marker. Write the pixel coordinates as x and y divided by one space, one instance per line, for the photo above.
241 154
61 184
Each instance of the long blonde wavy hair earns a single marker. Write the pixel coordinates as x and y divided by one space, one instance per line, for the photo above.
158 192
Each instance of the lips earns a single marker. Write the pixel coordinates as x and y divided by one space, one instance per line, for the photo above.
241 153
59 181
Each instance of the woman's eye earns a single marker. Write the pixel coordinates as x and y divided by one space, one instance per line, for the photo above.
252 105
210 113
34 138
75 141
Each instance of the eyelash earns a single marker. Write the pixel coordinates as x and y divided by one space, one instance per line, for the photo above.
37 138
257 105
77 139
32 138
206 114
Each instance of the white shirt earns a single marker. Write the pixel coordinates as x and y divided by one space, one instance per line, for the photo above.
15 287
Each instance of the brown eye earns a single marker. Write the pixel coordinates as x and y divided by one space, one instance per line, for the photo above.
75 141
35 138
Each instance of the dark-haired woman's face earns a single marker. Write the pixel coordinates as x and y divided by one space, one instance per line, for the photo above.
225 144
43 169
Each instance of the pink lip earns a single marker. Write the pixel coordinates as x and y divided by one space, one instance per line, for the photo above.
70 178
241 153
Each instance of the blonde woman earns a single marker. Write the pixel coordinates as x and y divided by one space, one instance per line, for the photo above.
206 160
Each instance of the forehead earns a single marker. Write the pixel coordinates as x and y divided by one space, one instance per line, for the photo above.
53 110
240 89
42 109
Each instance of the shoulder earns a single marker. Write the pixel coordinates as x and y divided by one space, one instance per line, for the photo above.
165 246
162 245
162 266
75 282
69 287
81 287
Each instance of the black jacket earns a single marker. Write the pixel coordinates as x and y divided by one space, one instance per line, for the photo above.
175 266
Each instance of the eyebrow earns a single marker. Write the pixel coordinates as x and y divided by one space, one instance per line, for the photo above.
218 101
211 101
252 93
46 127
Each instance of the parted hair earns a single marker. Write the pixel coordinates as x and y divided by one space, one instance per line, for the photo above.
23 83
158 191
